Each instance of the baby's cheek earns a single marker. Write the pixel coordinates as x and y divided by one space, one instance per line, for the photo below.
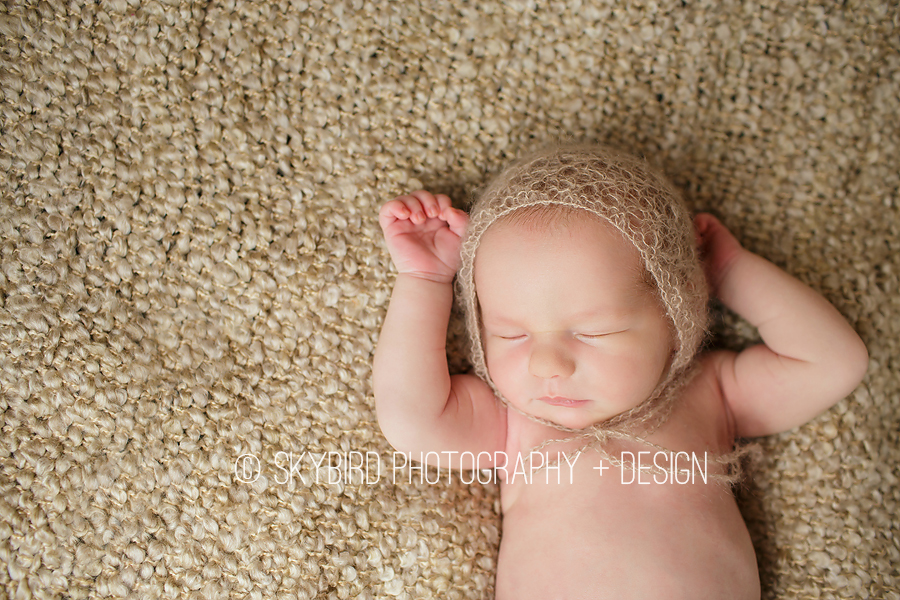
501 365
495 364
642 372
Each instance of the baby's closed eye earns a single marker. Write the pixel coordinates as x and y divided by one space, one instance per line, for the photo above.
597 336
509 336
592 336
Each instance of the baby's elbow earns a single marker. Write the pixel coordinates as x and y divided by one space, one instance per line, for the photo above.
854 362
390 422
395 433
399 427
859 362
393 437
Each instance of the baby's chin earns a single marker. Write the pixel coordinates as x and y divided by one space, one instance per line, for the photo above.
565 418
577 423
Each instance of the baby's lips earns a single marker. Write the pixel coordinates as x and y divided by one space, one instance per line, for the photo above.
563 401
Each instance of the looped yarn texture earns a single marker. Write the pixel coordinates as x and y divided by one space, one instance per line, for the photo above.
644 207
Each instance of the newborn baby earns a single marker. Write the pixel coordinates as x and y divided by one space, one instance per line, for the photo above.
612 440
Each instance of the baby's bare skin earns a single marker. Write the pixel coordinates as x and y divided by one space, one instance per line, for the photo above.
602 538
573 338
565 315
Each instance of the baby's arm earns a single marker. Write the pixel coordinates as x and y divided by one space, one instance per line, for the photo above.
420 407
810 356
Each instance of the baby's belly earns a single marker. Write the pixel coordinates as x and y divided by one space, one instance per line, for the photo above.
598 537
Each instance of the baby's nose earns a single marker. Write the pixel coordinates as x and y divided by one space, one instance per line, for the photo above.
550 360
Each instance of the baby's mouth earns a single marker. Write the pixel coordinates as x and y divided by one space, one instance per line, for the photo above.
561 401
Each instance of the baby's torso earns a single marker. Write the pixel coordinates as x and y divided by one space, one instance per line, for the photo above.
588 529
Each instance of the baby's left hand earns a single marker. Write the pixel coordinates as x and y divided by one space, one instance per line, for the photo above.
718 249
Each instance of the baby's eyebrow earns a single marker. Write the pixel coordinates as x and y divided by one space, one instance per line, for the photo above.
604 314
591 318
498 318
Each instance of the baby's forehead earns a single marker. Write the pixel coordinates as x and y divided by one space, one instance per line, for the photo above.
549 216
550 221
537 235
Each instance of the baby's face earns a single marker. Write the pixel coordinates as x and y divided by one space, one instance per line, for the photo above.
572 333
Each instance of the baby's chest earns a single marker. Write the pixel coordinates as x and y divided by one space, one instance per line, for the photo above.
620 477
618 535
598 522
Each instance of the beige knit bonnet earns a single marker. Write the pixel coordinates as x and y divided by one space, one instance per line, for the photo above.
641 204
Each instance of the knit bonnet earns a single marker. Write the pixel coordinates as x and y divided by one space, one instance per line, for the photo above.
643 206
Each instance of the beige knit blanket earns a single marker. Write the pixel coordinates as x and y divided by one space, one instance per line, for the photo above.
192 277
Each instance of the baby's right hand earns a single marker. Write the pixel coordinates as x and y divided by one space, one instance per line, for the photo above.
423 233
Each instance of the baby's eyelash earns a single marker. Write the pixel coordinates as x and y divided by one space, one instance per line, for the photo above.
592 336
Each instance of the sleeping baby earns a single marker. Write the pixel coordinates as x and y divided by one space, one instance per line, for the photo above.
614 442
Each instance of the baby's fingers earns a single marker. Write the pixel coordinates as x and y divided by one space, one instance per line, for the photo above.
421 205
456 219
712 234
718 248
418 207
430 204
392 211
411 207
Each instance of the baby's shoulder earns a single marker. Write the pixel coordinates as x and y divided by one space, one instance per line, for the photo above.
701 407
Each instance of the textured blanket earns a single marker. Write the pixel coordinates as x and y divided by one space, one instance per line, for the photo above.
192 278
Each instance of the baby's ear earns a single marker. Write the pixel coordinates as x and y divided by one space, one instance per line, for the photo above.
698 239
674 342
